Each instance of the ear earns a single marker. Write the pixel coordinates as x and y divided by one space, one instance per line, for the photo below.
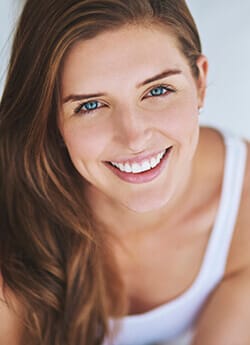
202 65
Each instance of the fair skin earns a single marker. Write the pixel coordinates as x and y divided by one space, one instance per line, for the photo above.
123 127
133 117
11 318
170 217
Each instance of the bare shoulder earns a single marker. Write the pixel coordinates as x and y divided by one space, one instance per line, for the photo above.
239 253
10 319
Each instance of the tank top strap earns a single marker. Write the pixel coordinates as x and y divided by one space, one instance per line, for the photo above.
234 172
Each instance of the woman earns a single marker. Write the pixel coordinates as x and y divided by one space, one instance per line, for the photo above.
117 210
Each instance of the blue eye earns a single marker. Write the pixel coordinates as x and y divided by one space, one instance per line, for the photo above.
92 105
158 91
87 107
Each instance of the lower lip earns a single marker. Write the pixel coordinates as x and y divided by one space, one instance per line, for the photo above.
142 177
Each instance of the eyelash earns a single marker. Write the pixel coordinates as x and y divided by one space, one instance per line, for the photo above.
79 109
167 89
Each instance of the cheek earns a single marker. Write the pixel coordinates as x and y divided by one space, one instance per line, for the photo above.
181 125
181 122
84 144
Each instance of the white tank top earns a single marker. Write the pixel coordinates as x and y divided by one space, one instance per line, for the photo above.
173 319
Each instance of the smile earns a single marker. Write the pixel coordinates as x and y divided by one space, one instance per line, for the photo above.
142 171
137 168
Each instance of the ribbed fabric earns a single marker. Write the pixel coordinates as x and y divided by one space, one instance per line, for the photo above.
177 317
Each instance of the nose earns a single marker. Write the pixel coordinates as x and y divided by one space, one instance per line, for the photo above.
132 129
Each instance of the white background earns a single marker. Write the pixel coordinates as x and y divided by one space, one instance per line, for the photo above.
224 27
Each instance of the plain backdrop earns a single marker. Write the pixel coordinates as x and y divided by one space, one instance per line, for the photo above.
224 27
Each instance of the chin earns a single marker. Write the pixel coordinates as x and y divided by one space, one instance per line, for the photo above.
145 205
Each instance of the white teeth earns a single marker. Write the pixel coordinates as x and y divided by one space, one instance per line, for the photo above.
136 168
146 165
128 168
120 166
115 164
160 155
153 162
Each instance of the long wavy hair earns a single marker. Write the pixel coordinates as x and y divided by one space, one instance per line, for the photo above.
55 257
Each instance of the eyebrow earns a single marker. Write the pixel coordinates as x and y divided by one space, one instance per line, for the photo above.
161 75
74 98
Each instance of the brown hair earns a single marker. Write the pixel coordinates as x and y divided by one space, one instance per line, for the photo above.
54 256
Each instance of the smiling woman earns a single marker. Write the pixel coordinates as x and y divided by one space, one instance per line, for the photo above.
116 229
130 123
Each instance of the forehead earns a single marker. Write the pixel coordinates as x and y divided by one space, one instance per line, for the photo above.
129 52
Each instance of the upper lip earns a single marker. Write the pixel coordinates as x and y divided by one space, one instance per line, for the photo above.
139 158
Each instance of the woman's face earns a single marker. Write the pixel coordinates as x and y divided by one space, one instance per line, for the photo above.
129 116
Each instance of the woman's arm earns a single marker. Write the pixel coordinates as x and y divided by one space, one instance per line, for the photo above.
225 319
10 323
10 326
